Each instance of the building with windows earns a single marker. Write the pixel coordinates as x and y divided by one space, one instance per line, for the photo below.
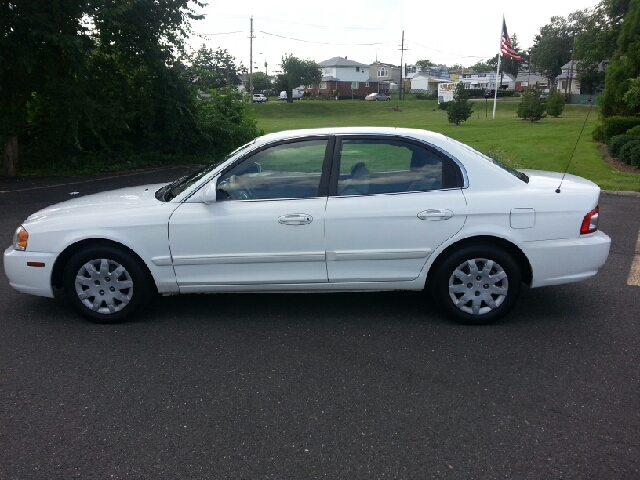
487 80
387 76
347 77
567 82
531 79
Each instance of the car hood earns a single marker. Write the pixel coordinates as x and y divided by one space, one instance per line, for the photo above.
104 202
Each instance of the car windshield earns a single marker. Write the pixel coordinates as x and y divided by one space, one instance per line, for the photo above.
175 188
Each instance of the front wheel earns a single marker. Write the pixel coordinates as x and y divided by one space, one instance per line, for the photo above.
477 285
106 284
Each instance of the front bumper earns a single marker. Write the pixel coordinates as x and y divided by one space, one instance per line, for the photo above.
555 262
27 279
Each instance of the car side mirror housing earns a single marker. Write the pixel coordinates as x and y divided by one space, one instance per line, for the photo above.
209 194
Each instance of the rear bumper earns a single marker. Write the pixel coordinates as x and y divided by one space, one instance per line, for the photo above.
27 279
555 262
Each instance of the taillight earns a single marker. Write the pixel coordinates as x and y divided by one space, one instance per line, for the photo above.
590 222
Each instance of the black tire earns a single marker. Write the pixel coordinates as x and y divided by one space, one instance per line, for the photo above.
106 284
480 298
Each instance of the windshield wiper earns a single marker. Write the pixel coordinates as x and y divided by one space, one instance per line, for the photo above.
161 194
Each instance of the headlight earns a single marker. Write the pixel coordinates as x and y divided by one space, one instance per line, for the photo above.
20 239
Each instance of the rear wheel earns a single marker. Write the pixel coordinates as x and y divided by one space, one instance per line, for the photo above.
106 284
477 285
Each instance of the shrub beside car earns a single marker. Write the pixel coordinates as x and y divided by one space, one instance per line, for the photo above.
630 153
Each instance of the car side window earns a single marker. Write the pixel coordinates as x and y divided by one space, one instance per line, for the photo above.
290 170
378 166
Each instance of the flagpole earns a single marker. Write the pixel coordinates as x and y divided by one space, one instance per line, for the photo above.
495 95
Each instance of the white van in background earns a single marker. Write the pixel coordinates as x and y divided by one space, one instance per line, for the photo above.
296 94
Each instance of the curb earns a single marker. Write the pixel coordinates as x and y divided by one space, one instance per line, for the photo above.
621 193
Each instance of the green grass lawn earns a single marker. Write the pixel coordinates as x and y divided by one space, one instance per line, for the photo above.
545 145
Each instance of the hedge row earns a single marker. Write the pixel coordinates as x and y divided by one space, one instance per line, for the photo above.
613 126
625 148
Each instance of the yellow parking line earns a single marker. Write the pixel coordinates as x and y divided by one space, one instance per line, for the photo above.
634 274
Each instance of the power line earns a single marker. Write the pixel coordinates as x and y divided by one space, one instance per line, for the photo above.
221 33
449 53
324 43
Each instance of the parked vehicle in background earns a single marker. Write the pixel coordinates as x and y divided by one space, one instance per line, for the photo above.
377 97
296 94
335 209
259 98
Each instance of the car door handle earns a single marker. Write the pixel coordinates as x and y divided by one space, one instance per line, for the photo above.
435 214
295 219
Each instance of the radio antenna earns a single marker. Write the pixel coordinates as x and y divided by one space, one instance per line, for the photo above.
575 147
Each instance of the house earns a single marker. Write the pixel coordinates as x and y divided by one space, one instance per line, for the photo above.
387 76
525 80
567 81
487 80
423 82
438 72
348 77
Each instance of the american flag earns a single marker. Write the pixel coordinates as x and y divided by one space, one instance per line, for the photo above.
506 47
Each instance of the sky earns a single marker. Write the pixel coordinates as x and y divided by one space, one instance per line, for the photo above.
372 30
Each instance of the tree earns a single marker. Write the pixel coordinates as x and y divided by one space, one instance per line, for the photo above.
213 69
456 66
532 106
482 66
625 66
63 84
296 72
552 47
42 49
555 103
261 82
459 110
425 63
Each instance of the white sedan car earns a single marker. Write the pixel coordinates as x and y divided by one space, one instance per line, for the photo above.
339 209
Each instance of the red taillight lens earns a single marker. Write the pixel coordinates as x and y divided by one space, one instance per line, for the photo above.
590 222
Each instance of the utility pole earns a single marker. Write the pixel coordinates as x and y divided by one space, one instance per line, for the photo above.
402 49
251 37
571 64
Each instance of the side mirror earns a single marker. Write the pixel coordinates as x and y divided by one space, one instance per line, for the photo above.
209 193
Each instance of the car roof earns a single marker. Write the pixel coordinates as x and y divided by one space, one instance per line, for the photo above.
418 134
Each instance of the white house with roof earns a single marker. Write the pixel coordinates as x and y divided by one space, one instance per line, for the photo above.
567 81
423 82
487 80
346 76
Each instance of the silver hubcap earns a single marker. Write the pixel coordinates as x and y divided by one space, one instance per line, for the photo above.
478 286
104 286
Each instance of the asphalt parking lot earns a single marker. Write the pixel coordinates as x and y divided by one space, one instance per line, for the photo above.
368 385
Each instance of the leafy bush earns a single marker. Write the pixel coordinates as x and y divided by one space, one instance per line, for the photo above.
630 152
598 133
459 110
634 131
444 105
616 143
224 122
532 106
555 103
613 126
